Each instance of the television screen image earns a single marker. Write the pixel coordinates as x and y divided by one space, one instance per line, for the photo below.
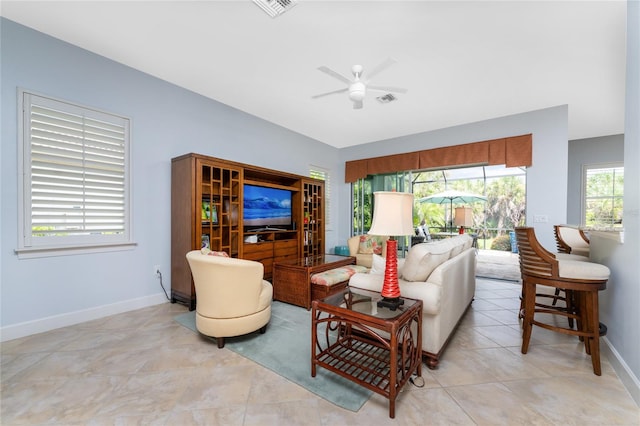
266 207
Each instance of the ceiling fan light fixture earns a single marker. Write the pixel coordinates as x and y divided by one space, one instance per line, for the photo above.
357 91
275 8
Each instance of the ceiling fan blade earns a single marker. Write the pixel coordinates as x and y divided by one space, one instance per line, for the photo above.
329 93
334 74
384 65
388 89
357 104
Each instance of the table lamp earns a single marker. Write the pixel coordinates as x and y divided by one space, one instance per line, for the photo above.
392 215
464 218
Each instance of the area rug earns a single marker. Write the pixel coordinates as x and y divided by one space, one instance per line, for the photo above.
498 265
285 349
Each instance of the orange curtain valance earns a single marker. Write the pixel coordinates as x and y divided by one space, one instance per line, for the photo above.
515 151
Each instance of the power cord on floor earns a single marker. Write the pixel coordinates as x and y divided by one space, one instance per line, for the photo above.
161 285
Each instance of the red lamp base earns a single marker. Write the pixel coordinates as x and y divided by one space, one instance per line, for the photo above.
390 289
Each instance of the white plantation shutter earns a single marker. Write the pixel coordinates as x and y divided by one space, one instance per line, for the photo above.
75 175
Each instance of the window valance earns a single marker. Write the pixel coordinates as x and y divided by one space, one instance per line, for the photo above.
514 151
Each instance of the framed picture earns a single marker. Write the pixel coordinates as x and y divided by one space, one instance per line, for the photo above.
209 213
214 215
205 242
206 211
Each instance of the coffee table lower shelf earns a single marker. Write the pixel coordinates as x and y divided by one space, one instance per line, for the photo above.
361 360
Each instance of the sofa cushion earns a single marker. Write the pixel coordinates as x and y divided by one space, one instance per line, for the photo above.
379 264
370 244
337 275
423 259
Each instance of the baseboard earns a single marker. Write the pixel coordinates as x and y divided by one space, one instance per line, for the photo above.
628 379
63 320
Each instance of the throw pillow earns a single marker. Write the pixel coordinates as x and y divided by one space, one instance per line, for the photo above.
370 244
214 253
378 265
421 262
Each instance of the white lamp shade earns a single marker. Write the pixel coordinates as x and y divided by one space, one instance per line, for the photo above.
464 216
392 213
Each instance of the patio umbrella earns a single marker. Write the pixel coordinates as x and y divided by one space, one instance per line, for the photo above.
451 197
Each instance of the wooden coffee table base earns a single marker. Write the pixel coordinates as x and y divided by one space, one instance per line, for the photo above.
379 350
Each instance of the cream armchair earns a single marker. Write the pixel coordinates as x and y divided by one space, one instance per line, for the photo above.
232 299
362 247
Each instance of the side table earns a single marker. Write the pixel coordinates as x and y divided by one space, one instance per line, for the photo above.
372 346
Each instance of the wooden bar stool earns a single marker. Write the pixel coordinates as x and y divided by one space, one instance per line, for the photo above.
581 280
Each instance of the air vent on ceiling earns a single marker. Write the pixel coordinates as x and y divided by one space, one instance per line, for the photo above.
385 99
275 7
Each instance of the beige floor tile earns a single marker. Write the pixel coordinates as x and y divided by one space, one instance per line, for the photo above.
459 368
142 368
564 401
504 316
496 404
567 359
431 407
469 338
503 335
478 318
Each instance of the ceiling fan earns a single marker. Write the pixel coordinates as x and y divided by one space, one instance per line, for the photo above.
357 88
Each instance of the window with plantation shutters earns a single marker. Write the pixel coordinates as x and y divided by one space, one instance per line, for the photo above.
75 176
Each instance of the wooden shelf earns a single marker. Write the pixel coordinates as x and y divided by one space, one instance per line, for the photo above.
206 208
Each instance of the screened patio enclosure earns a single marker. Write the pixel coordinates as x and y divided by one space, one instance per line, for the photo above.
504 189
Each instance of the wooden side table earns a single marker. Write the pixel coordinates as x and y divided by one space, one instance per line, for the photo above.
292 278
372 346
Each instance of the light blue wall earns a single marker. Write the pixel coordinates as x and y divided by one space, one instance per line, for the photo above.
621 311
606 149
167 121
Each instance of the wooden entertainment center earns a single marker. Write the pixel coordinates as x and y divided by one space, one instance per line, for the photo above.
207 210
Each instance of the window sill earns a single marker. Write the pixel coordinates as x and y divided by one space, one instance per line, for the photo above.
36 252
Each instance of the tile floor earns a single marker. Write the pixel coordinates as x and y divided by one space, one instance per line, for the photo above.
141 367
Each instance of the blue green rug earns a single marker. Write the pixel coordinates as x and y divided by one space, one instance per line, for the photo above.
286 350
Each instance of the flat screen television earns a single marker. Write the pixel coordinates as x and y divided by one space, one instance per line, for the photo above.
266 208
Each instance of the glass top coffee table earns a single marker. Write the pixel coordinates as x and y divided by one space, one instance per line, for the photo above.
372 346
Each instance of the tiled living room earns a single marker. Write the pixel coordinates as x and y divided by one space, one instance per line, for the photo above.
87 334
142 367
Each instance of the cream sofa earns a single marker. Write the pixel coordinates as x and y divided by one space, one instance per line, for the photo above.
442 275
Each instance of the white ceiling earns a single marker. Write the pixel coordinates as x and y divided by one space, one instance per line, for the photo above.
460 61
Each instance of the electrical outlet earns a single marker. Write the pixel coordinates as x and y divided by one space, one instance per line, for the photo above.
156 270
541 218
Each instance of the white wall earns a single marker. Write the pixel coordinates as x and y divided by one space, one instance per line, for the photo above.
546 178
